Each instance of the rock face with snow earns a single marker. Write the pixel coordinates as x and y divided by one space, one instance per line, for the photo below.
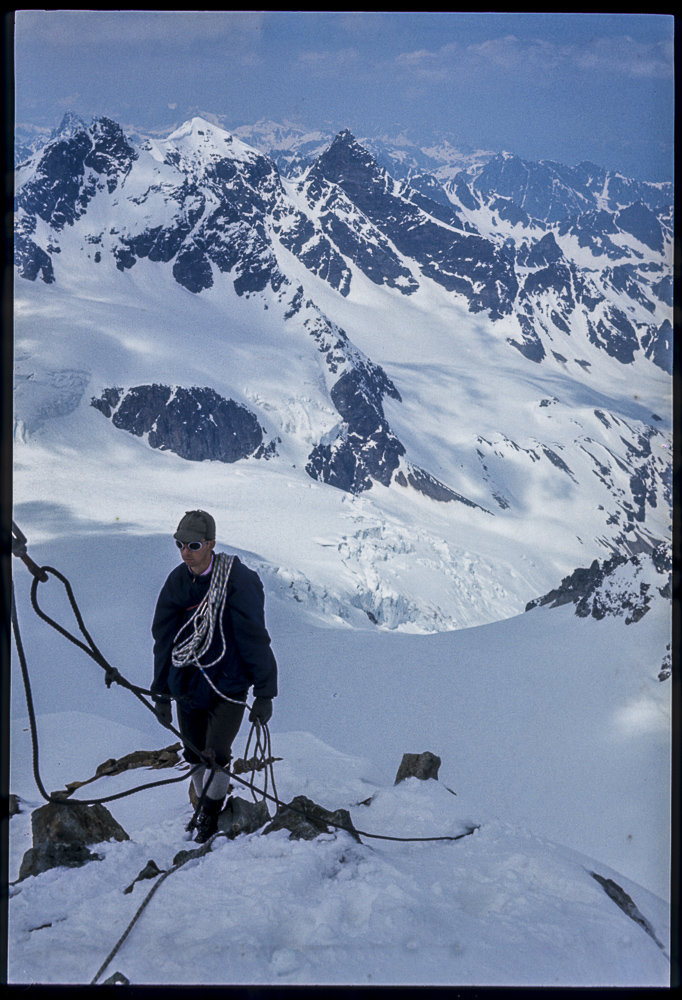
61 833
195 423
225 207
620 586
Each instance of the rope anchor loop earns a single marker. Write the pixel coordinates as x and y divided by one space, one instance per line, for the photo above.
19 543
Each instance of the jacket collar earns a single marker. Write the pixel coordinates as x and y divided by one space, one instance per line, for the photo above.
206 573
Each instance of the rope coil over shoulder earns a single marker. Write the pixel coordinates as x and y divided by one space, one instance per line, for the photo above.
208 613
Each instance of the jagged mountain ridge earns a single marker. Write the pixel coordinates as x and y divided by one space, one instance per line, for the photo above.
204 208
394 220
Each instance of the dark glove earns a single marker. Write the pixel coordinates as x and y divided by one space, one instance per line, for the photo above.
163 712
261 710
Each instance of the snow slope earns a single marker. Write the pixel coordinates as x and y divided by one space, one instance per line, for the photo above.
502 906
549 727
470 414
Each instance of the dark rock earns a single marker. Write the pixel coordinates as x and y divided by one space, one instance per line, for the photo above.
424 483
367 449
59 192
153 759
663 290
31 260
509 212
429 194
576 587
74 823
61 832
241 816
109 398
418 765
593 230
662 558
464 194
626 904
557 461
54 855
117 979
623 279
530 346
555 278
150 870
196 423
616 336
192 269
306 820
595 594
13 805
317 252
638 220
657 344
545 251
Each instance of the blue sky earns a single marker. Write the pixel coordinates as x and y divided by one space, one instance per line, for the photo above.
567 87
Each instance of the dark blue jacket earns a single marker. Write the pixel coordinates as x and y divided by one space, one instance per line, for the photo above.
248 659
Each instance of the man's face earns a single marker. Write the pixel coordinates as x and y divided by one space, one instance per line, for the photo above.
198 560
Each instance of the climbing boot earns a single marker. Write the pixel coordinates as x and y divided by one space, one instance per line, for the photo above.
207 820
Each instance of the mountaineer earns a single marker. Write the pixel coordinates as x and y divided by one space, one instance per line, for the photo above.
210 646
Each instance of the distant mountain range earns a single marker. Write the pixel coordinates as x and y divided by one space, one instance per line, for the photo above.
567 270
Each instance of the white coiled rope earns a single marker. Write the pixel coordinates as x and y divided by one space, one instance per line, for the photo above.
202 625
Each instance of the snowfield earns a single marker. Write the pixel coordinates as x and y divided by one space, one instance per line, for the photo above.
549 727
501 906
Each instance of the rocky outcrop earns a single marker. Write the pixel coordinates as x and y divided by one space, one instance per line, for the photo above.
577 586
62 833
241 816
620 586
305 820
168 757
196 423
366 448
418 765
424 482
626 904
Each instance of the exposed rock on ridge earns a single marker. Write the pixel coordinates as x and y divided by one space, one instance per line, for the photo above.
196 423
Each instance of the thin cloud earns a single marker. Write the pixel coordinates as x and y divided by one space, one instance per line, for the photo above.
627 57
615 56
328 62
131 27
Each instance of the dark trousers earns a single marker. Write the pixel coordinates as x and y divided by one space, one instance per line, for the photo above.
211 729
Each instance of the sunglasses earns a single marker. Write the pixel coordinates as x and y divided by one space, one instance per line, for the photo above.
194 546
